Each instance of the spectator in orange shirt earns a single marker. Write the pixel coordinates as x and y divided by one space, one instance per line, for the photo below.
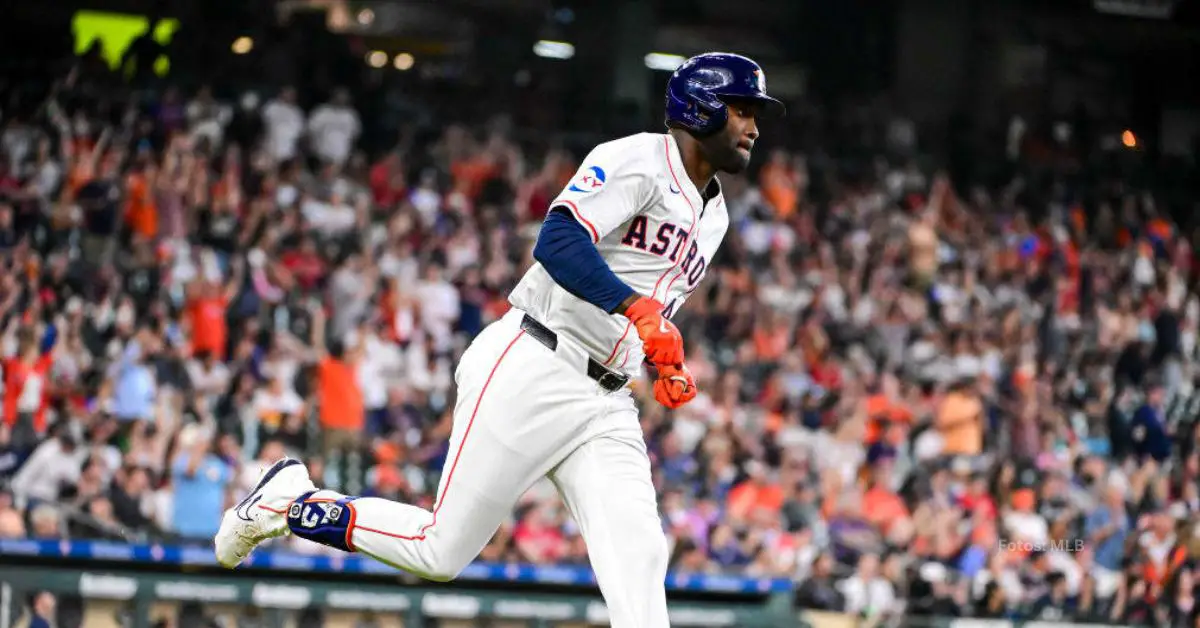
771 339
206 313
1162 553
885 408
83 160
780 184
756 492
472 172
25 382
339 396
141 214
959 419
880 504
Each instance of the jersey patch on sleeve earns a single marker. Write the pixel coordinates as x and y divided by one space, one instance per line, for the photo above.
588 181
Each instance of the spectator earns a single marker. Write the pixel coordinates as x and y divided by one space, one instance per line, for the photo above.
199 478
755 493
134 381
45 522
25 380
333 128
1024 523
99 197
993 604
17 139
140 214
11 524
818 591
342 415
726 549
207 118
1054 605
285 124
208 302
90 484
882 506
351 288
960 421
780 184
279 412
1162 554
42 610
867 593
1149 431
387 181
129 498
439 306
52 466
209 378
538 535
380 366
100 510
1107 528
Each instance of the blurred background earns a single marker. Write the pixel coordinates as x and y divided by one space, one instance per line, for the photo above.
947 357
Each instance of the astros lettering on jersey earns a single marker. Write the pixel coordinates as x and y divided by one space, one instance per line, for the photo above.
652 228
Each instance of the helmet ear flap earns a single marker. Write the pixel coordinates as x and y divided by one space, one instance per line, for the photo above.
707 112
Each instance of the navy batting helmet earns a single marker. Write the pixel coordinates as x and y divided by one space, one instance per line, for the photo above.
696 90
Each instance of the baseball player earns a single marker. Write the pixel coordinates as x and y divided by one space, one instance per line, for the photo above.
544 390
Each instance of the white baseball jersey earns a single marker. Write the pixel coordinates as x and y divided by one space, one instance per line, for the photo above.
652 227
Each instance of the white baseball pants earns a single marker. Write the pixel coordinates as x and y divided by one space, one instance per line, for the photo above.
524 412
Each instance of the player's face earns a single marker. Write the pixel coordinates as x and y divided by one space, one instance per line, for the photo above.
730 149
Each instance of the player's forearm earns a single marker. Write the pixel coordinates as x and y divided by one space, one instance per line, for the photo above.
566 251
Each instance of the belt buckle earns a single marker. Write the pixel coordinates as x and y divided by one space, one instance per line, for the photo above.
611 381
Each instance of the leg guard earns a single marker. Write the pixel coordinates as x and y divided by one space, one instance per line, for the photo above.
324 517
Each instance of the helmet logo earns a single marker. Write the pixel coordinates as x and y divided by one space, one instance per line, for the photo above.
761 80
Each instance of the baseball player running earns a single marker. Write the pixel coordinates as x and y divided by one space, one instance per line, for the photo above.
543 391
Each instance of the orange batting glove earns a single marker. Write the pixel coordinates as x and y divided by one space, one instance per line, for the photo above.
661 341
675 385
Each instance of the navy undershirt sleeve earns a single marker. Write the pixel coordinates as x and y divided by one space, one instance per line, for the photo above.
566 251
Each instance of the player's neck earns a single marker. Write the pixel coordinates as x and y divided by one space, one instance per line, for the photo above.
697 167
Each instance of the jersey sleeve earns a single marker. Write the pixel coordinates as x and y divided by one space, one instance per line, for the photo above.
608 189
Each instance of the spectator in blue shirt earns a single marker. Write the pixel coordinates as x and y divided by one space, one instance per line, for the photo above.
1107 527
199 477
42 610
678 466
134 384
725 548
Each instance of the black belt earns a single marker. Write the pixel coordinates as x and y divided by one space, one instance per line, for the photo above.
608 380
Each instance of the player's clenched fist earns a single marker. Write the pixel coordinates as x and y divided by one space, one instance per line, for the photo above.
661 341
675 385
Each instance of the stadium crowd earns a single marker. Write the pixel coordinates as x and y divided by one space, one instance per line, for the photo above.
916 397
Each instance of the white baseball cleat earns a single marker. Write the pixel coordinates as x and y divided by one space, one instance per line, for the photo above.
262 514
